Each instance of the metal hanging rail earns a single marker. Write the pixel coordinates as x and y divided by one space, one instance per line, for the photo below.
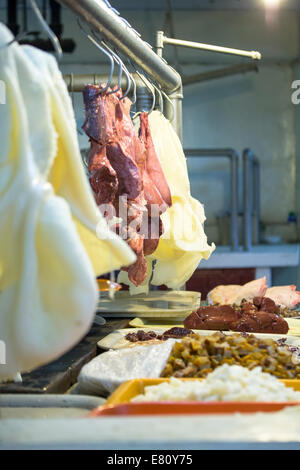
106 21
77 82
161 39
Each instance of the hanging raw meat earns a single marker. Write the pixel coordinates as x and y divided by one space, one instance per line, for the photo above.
153 166
49 251
125 173
114 155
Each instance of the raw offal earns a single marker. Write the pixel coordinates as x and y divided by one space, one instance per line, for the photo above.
285 296
125 173
234 294
261 316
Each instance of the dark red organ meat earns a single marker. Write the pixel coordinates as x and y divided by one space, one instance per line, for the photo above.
103 178
153 167
125 173
211 318
266 304
141 335
248 318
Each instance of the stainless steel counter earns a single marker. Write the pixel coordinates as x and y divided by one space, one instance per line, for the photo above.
258 431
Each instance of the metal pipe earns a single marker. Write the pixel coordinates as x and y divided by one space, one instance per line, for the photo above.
56 24
234 159
247 197
221 73
77 82
172 103
118 33
161 40
256 199
12 20
173 111
251 177
144 98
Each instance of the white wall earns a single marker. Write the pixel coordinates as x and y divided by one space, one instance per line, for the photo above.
254 111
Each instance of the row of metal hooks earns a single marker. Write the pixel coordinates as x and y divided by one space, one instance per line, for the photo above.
113 57
51 35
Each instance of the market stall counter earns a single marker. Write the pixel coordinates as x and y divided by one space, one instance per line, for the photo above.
60 375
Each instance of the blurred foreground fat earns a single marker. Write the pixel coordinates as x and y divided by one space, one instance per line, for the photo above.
50 253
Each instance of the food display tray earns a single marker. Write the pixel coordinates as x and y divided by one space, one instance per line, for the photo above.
118 404
130 389
157 304
188 408
117 340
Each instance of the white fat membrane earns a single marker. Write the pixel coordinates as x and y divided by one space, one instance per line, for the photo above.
184 243
49 250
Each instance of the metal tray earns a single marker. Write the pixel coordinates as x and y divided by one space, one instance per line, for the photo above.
157 304
30 406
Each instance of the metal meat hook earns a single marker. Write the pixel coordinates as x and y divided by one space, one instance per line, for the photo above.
111 59
52 36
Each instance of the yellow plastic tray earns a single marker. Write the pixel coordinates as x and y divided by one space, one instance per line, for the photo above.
132 388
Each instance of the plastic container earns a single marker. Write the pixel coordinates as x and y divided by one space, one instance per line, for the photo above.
119 403
130 389
187 408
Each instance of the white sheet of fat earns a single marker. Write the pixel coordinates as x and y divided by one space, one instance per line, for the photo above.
68 177
49 249
184 243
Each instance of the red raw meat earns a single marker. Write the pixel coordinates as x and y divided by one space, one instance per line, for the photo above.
103 177
153 165
99 114
249 317
125 172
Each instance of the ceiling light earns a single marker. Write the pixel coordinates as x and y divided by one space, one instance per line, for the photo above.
272 3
